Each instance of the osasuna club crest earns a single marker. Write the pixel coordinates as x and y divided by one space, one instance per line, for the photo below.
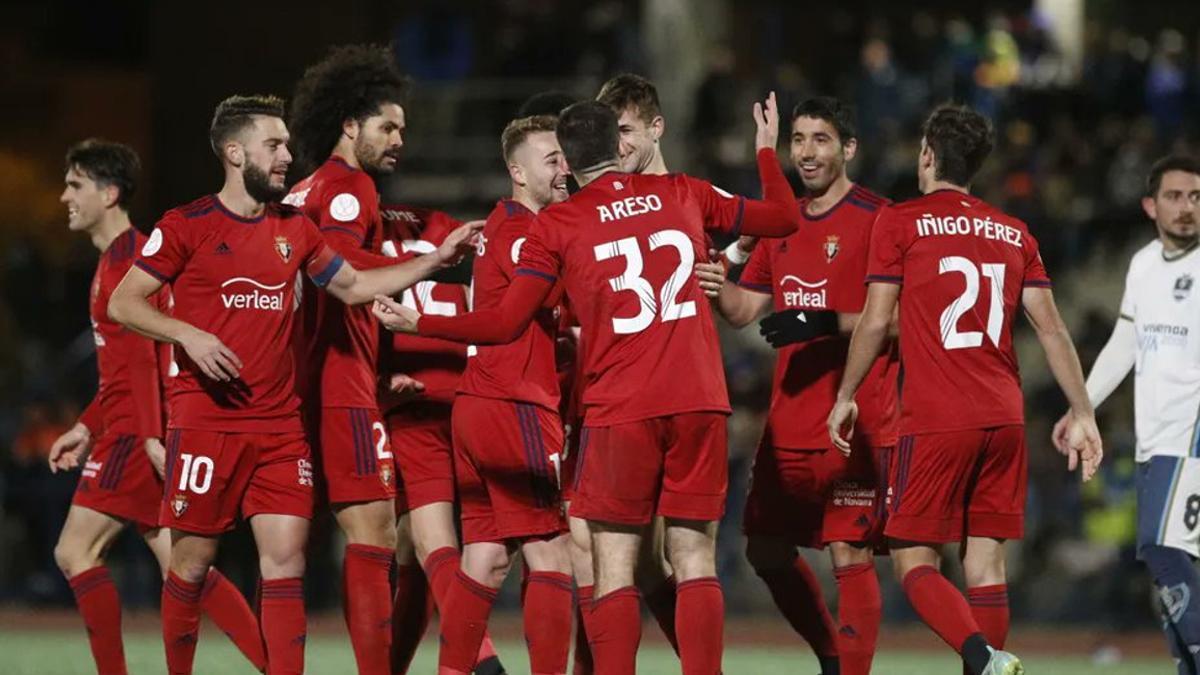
284 248
831 247
1183 287
179 504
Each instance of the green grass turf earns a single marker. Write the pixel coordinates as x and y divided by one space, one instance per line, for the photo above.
66 653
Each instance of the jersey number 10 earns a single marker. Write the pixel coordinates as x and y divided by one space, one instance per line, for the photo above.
952 338
631 280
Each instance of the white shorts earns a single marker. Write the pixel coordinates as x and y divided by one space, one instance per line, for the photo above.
1168 502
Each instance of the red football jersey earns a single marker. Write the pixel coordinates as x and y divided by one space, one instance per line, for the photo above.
339 344
962 265
821 267
524 369
129 399
236 278
438 364
623 248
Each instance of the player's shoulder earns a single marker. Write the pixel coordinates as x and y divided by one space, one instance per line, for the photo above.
193 210
1146 256
508 216
863 199
125 246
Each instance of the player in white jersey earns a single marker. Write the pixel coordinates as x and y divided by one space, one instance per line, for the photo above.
1158 336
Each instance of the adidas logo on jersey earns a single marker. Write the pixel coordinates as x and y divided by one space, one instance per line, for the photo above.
223 249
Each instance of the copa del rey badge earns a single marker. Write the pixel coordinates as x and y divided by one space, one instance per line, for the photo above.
831 247
284 248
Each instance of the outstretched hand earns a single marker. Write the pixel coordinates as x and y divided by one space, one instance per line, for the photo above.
459 242
711 275
394 316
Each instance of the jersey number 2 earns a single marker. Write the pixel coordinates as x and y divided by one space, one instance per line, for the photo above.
952 338
631 280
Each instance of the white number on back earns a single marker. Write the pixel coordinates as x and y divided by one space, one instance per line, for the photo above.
952 338
422 301
631 280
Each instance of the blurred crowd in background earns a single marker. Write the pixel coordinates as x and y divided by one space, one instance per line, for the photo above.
1076 133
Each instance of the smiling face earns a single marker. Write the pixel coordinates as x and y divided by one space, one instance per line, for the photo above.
818 153
639 140
539 167
264 158
378 139
85 199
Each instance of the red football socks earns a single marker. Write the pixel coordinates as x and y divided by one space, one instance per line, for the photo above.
440 568
860 607
615 630
100 607
797 594
465 611
989 606
410 615
227 607
548 622
940 605
700 618
367 606
661 601
283 625
583 664
180 622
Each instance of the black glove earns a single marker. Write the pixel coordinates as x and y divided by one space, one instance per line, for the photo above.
792 325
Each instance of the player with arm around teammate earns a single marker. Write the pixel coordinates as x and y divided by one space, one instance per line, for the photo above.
236 445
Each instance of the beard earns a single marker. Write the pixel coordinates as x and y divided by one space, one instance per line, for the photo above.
372 159
258 185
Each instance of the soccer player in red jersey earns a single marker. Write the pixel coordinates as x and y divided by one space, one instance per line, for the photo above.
508 436
119 442
804 492
347 120
958 268
235 443
623 248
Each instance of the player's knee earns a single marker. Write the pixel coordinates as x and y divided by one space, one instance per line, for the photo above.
280 564
551 555
844 554
692 556
769 553
72 558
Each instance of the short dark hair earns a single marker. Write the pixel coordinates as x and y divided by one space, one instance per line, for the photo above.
546 103
631 91
587 132
351 82
519 129
839 115
107 163
961 139
1185 163
237 112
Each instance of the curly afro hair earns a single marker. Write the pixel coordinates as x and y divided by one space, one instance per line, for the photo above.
351 82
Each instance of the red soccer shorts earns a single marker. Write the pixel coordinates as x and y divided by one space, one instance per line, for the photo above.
118 480
570 460
213 476
506 456
814 497
421 442
355 456
951 485
675 466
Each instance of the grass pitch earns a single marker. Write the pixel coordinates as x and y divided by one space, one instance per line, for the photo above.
64 652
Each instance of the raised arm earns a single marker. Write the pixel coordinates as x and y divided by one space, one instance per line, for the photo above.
130 306
498 325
